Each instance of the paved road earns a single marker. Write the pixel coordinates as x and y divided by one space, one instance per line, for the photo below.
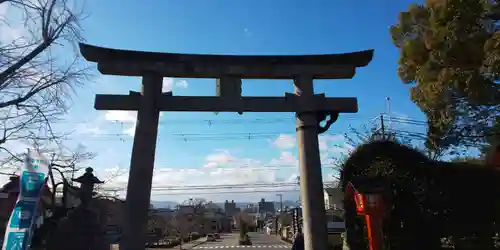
259 240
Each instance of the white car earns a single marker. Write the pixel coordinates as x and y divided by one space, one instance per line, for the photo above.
210 237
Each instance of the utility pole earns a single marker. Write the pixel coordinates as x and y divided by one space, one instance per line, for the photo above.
382 126
281 202
388 100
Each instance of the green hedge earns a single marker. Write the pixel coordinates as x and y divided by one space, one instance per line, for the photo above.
431 199
245 240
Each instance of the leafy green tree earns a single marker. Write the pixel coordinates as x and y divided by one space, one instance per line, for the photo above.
450 56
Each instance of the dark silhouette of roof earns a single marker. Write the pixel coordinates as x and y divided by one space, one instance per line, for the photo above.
12 185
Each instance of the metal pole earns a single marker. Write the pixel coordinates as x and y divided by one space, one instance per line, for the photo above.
311 181
281 202
72 173
382 126
388 99
141 166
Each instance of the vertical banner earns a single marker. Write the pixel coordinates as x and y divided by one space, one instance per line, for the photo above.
32 180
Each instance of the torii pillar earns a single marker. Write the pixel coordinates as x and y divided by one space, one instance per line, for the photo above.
310 108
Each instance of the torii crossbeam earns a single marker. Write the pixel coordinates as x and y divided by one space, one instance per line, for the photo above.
310 109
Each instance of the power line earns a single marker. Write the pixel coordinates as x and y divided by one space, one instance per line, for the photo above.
230 192
224 190
227 192
265 167
219 136
169 121
195 137
217 187
402 119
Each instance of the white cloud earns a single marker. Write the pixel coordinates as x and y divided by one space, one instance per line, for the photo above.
182 84
124 117
285 141
181 178
220 168
292 178
224 167
220 158
322 143
121 116
170 83
130 131
128 118
165 178
285 159
84 128
12 28
210 165
332 137
3 9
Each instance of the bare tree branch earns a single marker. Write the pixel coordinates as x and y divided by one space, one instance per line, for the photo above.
37 74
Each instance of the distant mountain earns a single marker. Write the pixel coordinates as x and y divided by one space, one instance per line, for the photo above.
173 204
164 204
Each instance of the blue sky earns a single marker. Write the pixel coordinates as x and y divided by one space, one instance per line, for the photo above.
247 27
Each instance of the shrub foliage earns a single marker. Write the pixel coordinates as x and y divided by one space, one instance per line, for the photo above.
426 200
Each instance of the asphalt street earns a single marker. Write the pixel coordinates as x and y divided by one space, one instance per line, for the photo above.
259 240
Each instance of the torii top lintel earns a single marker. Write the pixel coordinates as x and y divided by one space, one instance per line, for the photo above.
136 63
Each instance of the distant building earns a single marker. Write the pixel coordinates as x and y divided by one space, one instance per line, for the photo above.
249 218
333 199
266 207
217 221
186 209
251 209
230 208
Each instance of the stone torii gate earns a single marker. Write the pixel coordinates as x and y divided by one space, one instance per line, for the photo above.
310 110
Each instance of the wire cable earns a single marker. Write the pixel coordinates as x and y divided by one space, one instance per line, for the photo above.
231 192
216 187
242 121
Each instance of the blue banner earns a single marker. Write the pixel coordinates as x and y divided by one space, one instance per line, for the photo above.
22 214
15 241
31 184
22 219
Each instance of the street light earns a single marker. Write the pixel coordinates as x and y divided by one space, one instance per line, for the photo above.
281 202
